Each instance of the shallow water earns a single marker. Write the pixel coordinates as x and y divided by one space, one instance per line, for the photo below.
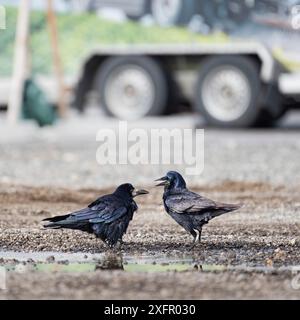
81 262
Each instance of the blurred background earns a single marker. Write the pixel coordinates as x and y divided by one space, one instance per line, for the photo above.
69 68
225 60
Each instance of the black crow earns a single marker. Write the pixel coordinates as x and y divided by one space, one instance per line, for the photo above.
107 217
187 208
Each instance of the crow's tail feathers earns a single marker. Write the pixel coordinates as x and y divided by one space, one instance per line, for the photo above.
68 222
232 207
225 208
56 222
57 218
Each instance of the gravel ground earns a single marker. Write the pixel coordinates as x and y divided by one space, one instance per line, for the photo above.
264 233
65 155
190 285
52 171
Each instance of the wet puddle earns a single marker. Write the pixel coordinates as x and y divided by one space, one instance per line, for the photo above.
79 262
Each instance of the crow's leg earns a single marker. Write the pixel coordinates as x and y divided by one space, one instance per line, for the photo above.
116 247
195 235
107 245
110 245
199 235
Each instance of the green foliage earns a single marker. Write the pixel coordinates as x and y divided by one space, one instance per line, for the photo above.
79 34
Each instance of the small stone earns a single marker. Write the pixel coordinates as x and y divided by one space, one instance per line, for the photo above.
279 254
50 259
269 262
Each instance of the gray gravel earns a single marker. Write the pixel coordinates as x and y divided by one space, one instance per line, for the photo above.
65 155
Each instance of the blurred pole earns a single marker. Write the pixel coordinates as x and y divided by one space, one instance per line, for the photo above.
19 63
52 25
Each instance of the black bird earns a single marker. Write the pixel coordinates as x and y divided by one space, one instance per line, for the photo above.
187 208
107 217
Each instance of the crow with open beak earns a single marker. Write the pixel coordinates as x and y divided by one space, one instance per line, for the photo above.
189 209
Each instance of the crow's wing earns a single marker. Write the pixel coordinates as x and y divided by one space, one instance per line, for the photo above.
105 209
101 201
189 202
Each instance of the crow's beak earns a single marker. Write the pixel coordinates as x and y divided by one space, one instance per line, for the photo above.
139 192
165 181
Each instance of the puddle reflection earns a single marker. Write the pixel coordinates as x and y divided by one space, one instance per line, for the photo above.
80 262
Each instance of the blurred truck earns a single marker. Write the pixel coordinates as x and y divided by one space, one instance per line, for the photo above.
232 84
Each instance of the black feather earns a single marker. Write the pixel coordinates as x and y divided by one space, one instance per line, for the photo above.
189 209
107 217
57 218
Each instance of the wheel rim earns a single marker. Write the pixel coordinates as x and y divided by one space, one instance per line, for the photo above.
129 92
226 93
166 11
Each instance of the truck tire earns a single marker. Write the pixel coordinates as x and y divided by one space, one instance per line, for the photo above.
227 91
173 12
268 120
273 107
224 15
132 87
144 9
